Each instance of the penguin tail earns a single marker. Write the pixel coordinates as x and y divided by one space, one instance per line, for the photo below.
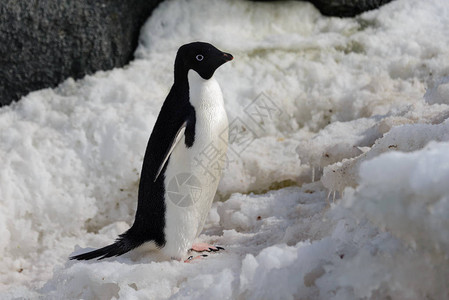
122 245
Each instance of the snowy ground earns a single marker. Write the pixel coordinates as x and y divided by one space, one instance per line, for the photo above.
361 105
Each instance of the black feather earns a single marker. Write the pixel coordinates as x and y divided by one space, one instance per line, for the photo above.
122 245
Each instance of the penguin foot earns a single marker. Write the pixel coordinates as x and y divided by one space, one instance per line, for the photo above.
201 247
191 258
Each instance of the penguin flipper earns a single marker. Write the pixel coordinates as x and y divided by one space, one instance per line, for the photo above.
175 141
121 246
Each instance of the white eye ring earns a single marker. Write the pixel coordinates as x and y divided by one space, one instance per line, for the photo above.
199 57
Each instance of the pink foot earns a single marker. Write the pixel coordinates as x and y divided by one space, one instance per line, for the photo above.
192 258
201 247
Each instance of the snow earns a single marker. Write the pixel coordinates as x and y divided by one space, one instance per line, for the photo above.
360 104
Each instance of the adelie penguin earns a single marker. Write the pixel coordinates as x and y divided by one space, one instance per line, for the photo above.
183 161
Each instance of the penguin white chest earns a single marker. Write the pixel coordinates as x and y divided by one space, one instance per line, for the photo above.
192 174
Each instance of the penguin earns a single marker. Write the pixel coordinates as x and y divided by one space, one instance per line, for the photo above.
183 161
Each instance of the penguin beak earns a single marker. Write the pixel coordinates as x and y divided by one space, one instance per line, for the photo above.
227 57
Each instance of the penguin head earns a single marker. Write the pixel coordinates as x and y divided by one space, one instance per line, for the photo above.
201 57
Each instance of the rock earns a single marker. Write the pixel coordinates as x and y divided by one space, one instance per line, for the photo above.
344 8
44 42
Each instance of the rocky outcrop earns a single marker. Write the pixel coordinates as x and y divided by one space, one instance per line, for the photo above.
346 8
342 8
44 42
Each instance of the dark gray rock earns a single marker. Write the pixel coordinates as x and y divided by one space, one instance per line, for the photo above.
343 8
346 8
44 42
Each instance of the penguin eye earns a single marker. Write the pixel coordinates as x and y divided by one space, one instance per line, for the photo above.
199 57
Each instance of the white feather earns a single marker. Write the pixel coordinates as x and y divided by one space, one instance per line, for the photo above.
178 137
184 224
